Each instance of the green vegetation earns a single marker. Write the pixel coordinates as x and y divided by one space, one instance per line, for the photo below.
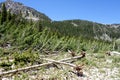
21 35
85 29
25 58
117 44
6 65
3 14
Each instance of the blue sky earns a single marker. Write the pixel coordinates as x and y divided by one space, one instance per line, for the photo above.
102 11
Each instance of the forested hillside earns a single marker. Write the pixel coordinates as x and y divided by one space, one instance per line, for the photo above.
83 28
86 29
24 34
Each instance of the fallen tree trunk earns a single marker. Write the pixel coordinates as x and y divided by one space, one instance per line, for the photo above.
59 62
22 69
71 58
114 52
36 66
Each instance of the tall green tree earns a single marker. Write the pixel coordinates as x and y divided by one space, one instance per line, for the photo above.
39 26
3 14
9 16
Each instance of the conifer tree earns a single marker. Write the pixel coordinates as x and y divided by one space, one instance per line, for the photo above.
9 16
39 26
3 14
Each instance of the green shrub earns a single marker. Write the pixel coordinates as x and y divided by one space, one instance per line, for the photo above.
96 49
1 52
117 44
25 57
6 65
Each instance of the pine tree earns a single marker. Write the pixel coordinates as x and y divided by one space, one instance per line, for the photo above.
39 26
3 14
9 16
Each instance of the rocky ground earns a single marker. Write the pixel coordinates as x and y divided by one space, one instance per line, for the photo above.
97 66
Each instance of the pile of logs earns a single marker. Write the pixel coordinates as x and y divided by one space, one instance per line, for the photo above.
62 61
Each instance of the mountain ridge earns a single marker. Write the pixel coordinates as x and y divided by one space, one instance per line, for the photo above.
83 27
88 29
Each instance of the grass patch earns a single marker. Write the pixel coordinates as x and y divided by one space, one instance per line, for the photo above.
87 62
116 59
100 56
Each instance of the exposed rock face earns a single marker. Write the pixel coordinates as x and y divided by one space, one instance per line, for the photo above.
105 37
27 12
115 25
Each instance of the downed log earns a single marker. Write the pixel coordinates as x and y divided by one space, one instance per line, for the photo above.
35 66
114 52
59 62
22 69
71 58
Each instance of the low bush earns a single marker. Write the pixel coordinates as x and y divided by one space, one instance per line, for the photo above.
6 65
25 57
